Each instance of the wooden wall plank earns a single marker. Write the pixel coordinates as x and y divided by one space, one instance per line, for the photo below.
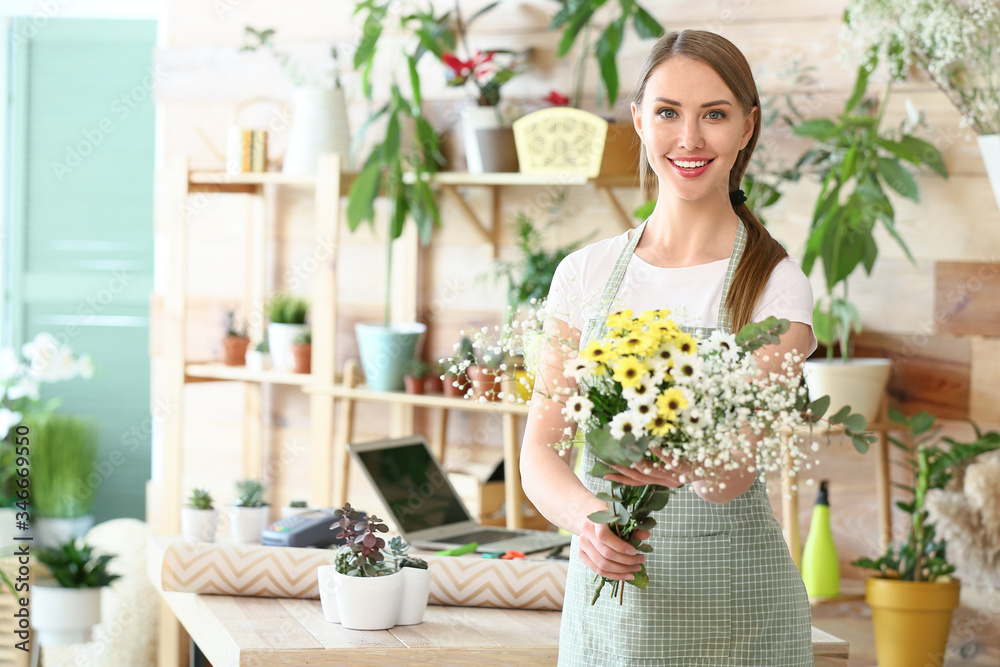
984 403
967 298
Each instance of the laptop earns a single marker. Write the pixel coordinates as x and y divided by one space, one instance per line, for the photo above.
424 505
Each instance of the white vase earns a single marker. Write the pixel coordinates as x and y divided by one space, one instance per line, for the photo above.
247 523
63 616
859 383
416 591
989 147
198 525
51 532
280 338
327 594
475 118
319 126
368 603
258 361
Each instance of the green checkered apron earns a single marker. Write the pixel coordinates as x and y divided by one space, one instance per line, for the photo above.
723 590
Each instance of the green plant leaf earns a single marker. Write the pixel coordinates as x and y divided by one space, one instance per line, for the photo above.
860 443
860 86
929 155
820 129
364 190
602 516
600 469
607 54
645 25
579 19
898 178
641 579
856 423
644 548
659 499
818 407
841 415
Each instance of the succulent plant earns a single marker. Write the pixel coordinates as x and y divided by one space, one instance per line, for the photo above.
249 493
397 551
361 555
200 499
75 566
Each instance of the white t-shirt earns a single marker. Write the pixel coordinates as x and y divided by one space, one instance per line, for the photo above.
693 293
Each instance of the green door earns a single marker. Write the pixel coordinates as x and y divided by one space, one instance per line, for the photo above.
80 227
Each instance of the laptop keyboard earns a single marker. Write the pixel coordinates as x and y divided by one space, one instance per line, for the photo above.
482 536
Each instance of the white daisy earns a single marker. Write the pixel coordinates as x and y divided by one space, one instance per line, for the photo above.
578 408
627 422
645 392
580 369
687 368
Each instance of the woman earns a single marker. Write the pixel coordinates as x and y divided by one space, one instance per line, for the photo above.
723 588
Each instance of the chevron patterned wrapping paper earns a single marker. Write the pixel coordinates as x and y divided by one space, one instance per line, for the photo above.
281 572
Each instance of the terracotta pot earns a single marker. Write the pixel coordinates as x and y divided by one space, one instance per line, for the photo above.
433 384
453 391
413 385
303 358
485 382
235 350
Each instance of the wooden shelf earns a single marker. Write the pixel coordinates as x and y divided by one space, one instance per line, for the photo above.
195 372
419 400
252 182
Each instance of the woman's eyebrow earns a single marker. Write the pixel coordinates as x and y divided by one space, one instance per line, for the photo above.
706 104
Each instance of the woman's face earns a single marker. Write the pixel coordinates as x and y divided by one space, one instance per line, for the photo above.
692 126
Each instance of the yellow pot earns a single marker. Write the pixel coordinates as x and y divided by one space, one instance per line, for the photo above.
911 620
524 384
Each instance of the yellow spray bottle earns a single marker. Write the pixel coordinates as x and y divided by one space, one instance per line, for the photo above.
820 570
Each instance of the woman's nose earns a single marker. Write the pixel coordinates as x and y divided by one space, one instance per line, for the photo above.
690 137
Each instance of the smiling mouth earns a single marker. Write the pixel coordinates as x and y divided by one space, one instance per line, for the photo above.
691 164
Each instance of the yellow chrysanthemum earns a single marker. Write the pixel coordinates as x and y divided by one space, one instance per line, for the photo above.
599 351
669 402
660 426
638 342
686 343
628 371
622 320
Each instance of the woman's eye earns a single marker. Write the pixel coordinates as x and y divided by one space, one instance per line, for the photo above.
720 116
665 112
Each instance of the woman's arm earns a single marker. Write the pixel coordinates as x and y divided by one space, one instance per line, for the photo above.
546 477
736 482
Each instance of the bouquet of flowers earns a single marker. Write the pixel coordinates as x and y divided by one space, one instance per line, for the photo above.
956 43
650 395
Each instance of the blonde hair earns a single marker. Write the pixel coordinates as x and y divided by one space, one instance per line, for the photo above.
762 252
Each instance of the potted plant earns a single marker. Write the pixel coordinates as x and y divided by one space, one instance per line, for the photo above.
248 514
236 341
302 352
913 595
433 380
259 358
954 43
855 161
295 508
366 588
320 120
65 608
416 582
287 319
398 168
198 517
414 375
63 454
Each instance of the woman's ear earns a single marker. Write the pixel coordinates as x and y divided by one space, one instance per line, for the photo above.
748 127
637 120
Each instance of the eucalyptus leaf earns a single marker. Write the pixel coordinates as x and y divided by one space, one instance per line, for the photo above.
603 516
640 579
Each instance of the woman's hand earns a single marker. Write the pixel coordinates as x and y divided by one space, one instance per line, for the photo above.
607 554
637 475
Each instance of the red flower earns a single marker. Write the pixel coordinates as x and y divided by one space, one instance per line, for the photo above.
557 100
457 65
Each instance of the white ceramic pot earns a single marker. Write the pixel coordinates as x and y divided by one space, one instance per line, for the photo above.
416 591
247 523
63 616
198 525
319 126
51 532
368 603
327 594
8 527
989 147
859 383
280 338
476 118
287 511
258 361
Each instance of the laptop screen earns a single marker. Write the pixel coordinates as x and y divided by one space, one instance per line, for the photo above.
413 486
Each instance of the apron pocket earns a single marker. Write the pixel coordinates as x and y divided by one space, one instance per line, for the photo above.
685 613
